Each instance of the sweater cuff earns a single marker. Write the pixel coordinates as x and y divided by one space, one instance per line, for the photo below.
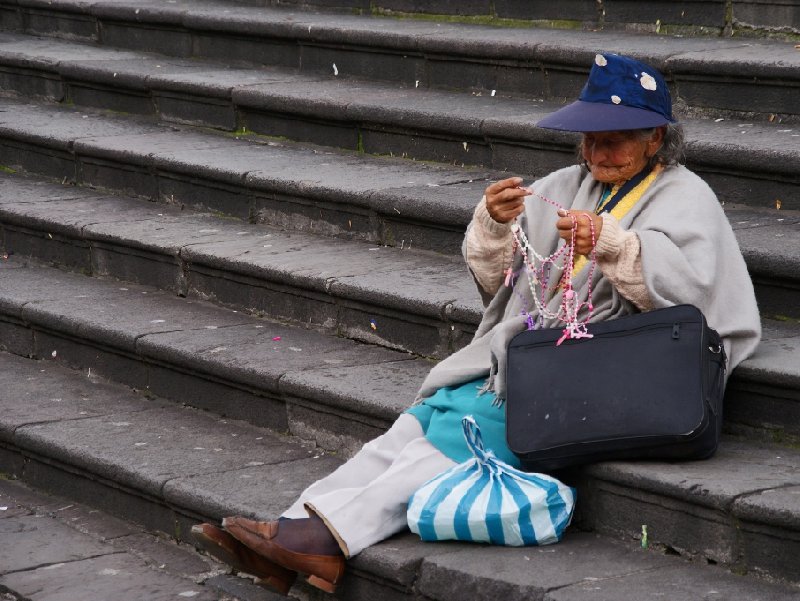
612 237
495 228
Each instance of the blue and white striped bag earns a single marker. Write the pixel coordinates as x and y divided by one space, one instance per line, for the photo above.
486 500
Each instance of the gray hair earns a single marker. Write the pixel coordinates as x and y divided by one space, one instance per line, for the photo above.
672 146
672 151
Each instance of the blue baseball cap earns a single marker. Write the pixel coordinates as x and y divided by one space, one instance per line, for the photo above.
621 93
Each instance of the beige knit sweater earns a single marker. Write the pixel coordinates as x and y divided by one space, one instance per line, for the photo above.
489 243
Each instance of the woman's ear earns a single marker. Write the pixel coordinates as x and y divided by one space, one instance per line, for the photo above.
655 141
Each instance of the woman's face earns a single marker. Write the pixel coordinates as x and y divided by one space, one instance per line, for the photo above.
616 156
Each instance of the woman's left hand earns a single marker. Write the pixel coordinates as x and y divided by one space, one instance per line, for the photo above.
584 241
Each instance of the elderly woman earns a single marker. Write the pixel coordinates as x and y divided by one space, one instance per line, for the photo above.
660 238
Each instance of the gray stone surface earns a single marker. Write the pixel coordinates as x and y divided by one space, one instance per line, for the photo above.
262 492
398 559
57 128
680 583
528 573
128 313
51 393
266 490
776 356
769 237
738 509
383 389
146 449
32 541
26 285
779 506
403 38
120 576
17 189
715 482
258 354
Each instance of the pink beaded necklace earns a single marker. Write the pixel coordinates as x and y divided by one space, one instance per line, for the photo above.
538 269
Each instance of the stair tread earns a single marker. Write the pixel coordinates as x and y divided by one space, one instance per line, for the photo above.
156 326
424 35
213 467
770 145
412 282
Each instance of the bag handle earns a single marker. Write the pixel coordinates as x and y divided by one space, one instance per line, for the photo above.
472 434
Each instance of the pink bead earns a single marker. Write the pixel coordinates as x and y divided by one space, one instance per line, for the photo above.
569 294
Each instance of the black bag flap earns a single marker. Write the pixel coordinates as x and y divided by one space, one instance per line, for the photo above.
639 376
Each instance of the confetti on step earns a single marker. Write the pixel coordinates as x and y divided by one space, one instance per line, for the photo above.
778 204
276 339
157 320
373 325
493 92
644 536
335 70
53 354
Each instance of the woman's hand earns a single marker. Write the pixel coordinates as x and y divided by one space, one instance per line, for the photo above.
505 200
584 243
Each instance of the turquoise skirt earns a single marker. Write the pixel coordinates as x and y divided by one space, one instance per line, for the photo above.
440 416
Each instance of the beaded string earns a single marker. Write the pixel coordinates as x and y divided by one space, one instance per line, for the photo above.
538 276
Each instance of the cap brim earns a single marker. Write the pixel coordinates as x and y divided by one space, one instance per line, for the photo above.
584 116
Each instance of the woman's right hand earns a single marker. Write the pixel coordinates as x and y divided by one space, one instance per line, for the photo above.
505 200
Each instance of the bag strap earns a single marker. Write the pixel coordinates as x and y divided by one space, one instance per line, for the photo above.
472 434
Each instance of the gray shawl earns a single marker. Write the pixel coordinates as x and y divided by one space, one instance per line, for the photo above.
689 255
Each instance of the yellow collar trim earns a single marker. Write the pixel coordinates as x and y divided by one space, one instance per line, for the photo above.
622 209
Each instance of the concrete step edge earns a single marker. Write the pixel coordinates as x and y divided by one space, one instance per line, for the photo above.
185 488
756 167
219 351
425 51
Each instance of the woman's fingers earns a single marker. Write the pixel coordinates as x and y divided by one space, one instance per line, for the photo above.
505 200
587 229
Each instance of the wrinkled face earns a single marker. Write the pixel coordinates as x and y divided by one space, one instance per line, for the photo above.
616 156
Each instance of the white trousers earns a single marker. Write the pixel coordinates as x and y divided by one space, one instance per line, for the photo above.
365 500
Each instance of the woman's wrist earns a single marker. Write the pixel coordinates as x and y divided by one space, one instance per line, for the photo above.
495 228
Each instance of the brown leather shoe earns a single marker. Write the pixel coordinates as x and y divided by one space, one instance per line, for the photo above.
324 571
226 548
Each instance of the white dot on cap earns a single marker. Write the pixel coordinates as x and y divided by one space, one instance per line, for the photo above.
600 60
616 99
648 81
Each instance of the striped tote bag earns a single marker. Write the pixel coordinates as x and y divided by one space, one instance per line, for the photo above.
486 500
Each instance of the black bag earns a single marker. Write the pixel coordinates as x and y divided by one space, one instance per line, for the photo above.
647 385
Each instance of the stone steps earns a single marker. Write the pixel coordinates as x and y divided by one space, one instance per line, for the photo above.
709 74
166 467
388 202
402 299
54 546
753 162
319 263
661 16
